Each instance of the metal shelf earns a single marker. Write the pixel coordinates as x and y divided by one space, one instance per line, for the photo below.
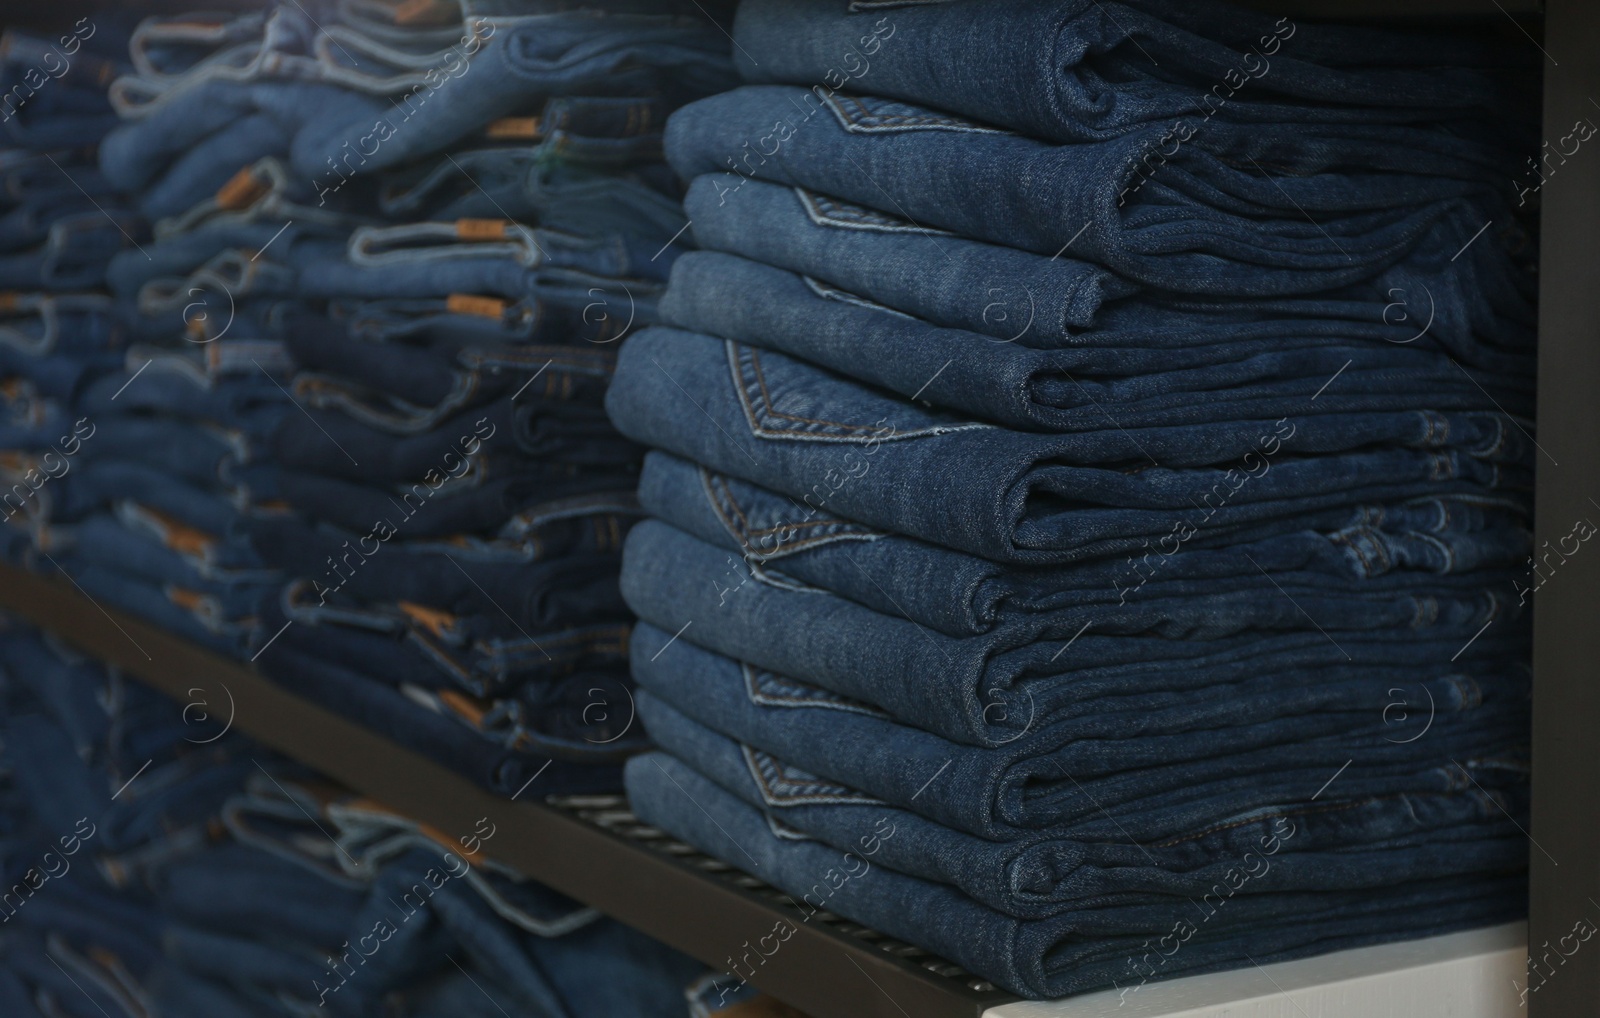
591 848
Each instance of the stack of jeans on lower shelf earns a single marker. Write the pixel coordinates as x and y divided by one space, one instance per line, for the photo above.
352 428
1092 479
154 864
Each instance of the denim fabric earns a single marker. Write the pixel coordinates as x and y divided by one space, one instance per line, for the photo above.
59 377
445 740
201 456
262 191
26 224
156 276
198 136
1033 301
525 184
96 486
361 370
1198 224
1337 845
1042 778
227 382
52 91
73 255
171 51
1079 71
418 246
1382 549
436 506
480 375
1072 952
988 688
228 594
628 299
809 434
551 431
675 53
66 685
535 589
224 881
457 321
411 644
1159 383
42 324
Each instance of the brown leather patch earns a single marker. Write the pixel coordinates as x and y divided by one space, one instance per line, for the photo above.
472 304
414 12
242 190
514 128
481 229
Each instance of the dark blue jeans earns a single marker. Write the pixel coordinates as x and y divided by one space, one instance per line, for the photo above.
1041 301
1224 216
1338 845
1075 70
1154 382
1072 952
990 688
1162 760
1382 549
1006 495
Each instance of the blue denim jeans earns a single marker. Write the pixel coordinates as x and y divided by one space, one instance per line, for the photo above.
1155 773
591 298
438 507
1382 549
1060 301
210 887
52 91
479 654
544 431
152 278
990 688
536 589
1077 71
1339 845
676 53
199 135
526 184
1075 951
449 741
204 458
74 254
458 321
1206 390
227 382
125 547
1006 495
1203 223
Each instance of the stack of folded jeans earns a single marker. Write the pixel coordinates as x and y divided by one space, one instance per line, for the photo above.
97 505
351 425
154 865
1092 471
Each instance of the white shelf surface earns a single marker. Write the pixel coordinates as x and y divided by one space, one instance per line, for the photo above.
1460 975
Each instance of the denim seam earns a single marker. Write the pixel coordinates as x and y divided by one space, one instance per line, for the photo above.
768 772
866 121
827 211
825 701
746 378
744 531
1330 808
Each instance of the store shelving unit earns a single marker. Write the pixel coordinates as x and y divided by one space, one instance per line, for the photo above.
595 850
